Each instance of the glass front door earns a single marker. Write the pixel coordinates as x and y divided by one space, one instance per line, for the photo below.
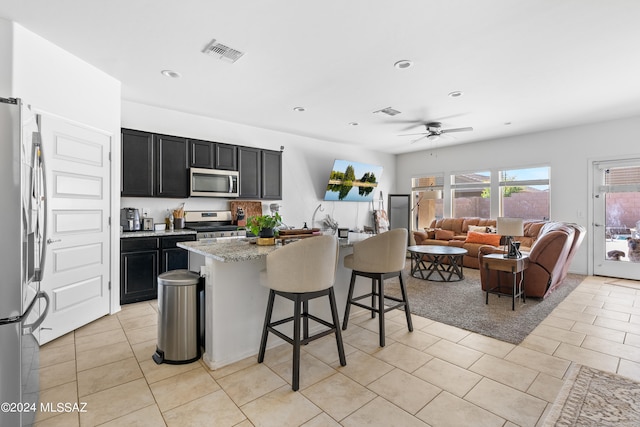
616 225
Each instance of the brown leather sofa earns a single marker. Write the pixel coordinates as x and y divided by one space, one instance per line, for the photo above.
549 259
456 234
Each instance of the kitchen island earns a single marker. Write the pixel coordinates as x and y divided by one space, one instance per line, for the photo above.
235 301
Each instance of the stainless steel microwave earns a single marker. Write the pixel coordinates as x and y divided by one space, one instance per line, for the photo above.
213 183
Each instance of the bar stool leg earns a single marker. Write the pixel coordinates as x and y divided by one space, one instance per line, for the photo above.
349 298
407 311
305 319
380 309
296 344
265 329
336 324
373 297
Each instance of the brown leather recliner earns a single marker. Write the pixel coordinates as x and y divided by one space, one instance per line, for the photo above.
577 241
549 260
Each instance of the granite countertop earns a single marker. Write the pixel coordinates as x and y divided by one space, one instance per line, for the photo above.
236 250
229 250
152 233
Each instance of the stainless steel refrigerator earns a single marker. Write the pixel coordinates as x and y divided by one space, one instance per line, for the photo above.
23 306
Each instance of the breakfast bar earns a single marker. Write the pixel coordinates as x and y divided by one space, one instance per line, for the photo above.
235 301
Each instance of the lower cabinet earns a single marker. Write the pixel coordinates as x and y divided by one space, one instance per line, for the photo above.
142 259
173 257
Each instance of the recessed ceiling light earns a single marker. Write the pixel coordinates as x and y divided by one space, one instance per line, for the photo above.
171 73
299 109
455 94
402 64
353 123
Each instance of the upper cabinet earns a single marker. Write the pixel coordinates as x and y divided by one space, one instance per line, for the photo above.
226 157
271 175
213 155
138 164
158 166
201 154
173 169
153 165
260 173
249 164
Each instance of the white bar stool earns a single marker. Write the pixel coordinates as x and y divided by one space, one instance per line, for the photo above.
302 271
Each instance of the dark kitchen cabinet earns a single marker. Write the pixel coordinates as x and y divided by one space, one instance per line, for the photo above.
249 164
173 168
260 173
158 166
142 259
138 269
153 165
201 154
138 171
271 184
212 155
173 257
226 157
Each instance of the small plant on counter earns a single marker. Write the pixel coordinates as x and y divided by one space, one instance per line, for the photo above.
263 225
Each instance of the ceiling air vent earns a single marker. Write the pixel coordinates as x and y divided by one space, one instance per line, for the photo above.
388 111
222 52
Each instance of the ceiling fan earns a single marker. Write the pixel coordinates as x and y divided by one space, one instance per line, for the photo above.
434 131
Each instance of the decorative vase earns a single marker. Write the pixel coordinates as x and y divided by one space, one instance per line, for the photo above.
266 241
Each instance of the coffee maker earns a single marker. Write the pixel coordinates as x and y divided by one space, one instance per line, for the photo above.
130 219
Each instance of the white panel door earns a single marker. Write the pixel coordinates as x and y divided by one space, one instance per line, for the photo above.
76 274
616 219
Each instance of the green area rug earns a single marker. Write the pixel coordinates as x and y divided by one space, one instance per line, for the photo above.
590 397
462 304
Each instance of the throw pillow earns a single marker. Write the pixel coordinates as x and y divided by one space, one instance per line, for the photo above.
484 238
478 228
444 234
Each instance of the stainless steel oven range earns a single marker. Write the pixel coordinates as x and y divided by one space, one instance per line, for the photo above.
212 225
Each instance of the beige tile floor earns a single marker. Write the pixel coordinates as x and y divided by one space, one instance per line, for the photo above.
436 376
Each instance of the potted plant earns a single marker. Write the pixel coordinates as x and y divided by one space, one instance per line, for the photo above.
263 225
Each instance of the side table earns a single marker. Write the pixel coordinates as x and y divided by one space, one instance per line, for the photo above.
513 265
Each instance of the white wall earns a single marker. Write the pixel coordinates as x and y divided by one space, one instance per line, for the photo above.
306 165
6 51
56 82
569 152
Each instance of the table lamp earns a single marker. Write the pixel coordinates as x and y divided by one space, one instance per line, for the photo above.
510 227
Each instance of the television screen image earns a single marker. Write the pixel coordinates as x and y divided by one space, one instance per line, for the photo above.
352 181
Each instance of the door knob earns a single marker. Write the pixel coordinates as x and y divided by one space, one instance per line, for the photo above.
50 241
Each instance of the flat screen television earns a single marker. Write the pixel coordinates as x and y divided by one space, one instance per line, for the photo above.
352 181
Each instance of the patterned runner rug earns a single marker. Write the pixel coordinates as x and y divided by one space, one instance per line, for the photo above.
590 397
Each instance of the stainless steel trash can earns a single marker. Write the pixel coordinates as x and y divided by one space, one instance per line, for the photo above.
178 317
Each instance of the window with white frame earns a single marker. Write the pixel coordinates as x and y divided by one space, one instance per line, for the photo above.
524 193
468 194
426 200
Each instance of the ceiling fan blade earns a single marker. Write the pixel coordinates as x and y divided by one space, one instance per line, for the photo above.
414 134
420 139
413 124
455 130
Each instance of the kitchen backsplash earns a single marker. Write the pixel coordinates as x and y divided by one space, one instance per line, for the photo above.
157 207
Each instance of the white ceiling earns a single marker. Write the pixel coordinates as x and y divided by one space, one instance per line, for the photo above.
537 64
